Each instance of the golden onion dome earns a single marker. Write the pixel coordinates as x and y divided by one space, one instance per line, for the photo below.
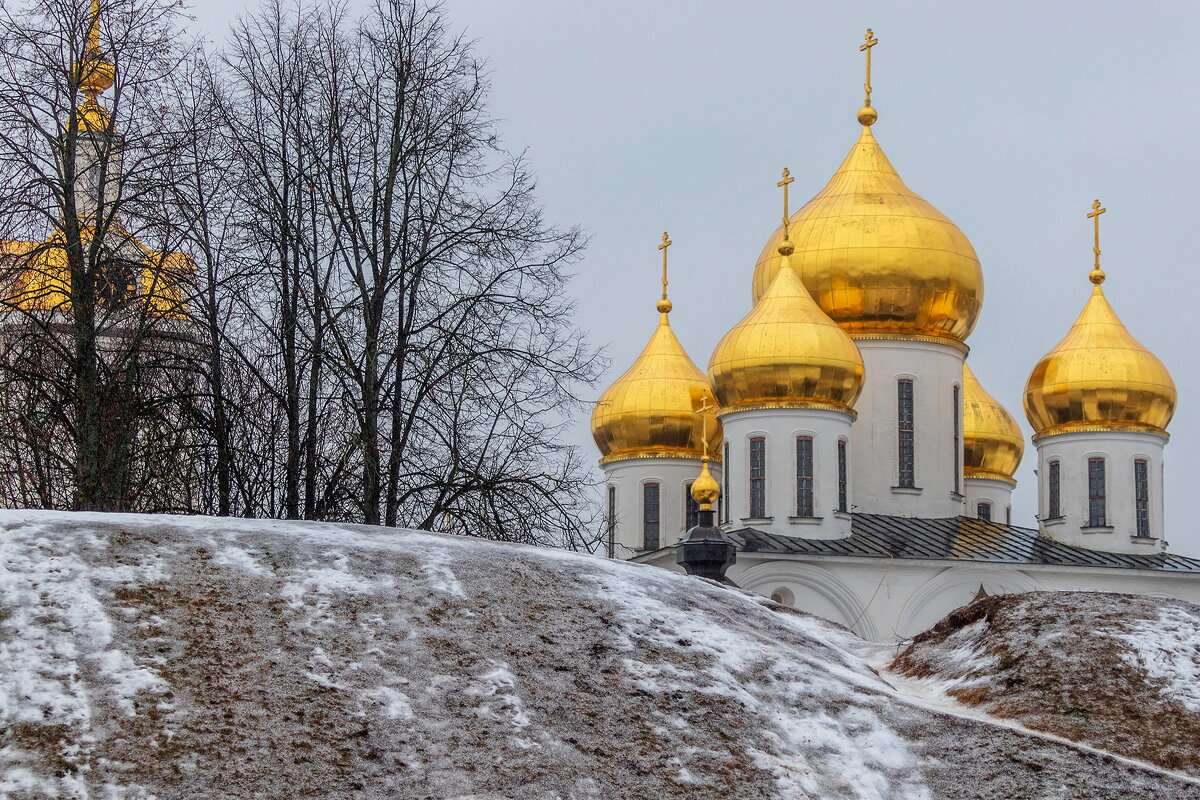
992 442
1099 378
786 353
659 408
877 257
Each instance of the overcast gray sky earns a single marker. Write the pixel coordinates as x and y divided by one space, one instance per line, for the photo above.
1011 118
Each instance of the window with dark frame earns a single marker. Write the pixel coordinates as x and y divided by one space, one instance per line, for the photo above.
804 476
725 479
957 443
650 518
984 512
758 477
1097 513
612 521
1053 489
691 509
904 402
843 500
1141 496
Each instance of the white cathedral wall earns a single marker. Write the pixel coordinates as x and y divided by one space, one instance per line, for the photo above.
1120 450
673 475
935 369
885 600
780 428
993 491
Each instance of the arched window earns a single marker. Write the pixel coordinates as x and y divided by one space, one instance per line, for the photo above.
1141 496
843 500
691 509
1097 511
612 521
650 509
905 421
1008 515
984 511
758 477
957 425
725 501
1053 491
804 476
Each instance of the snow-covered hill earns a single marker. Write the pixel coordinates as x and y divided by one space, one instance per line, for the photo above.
1118 672
173 657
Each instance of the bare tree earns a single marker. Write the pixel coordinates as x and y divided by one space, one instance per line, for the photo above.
92 315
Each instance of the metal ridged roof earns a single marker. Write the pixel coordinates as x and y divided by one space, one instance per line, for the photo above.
953 539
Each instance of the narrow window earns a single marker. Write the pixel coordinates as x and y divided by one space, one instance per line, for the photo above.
1054 503
804 476
842 498
1096 511
957 444
691 509
984 511
904 394
612 521
725 479
650 516
1008 515
758 477
1141 496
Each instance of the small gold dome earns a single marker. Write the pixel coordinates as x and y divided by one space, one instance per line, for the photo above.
992 442
877 257
653 410
705 489
786 353
1099 378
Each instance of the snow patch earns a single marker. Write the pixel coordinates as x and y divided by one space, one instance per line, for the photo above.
1168 649
234 556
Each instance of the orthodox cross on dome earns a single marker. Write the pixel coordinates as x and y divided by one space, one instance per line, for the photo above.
787 179
869 42
664 305
704 406
1097 274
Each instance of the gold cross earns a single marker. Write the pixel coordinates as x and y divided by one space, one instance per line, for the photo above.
787 179
704 406
1095 217
666 242
870 42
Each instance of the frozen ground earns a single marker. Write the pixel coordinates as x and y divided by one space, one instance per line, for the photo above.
173 657
1116 672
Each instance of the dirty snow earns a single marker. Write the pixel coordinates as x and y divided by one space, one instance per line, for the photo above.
1168 649
207 658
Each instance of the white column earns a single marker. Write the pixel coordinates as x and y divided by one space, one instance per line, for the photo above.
780 428
993 491
1121 450
628 477
935 369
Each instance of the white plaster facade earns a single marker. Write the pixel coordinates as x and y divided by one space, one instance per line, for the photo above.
780 428
884 600
936 370
626 479
1120 451
995 492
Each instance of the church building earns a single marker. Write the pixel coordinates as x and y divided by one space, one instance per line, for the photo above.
866 476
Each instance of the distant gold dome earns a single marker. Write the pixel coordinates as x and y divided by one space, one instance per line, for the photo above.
1099 378
786 353
992 442
877 257
652 411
